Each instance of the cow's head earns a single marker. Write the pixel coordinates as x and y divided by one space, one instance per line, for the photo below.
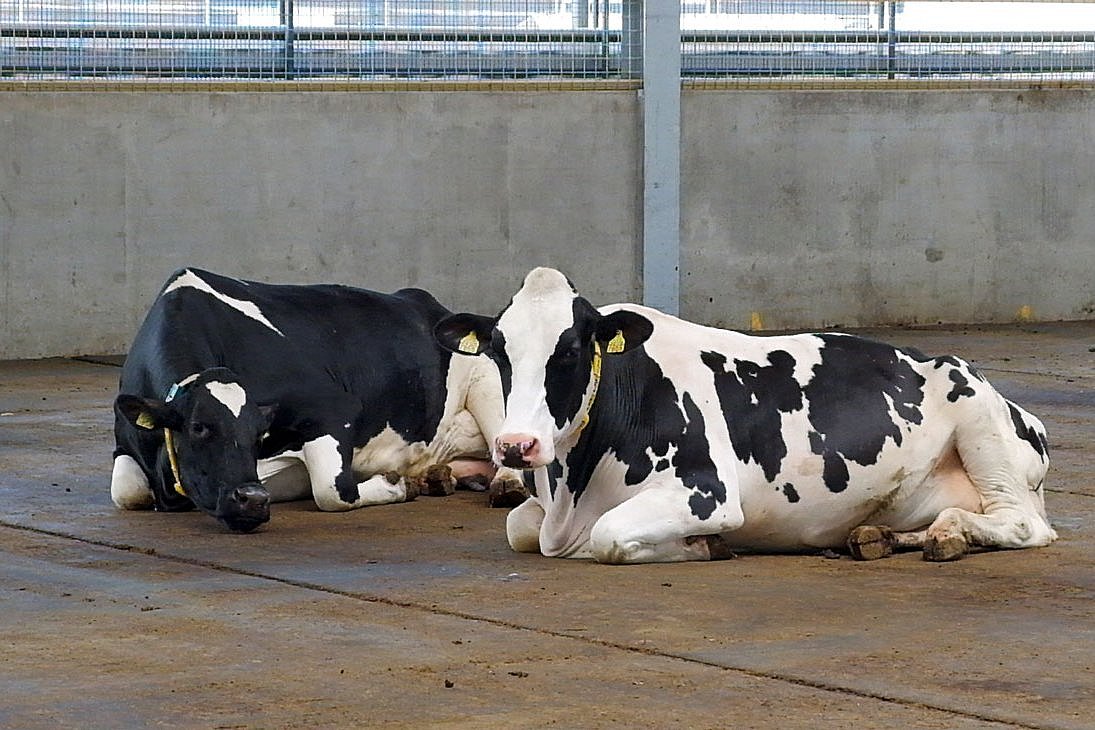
549 345
212 431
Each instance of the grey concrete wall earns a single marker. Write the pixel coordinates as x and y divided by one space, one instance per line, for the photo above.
102 195
800 209
815 209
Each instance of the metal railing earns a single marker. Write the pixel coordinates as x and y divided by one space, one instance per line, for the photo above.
210 47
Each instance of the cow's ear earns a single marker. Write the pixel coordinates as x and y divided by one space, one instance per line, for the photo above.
147 413
621 331
466 334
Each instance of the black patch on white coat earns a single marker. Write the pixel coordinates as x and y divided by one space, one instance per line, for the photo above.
961 387
496 351
636 415
790 493
1031 435
569 367
847 403
752 397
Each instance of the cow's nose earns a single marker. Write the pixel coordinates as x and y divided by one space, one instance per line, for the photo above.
246 507
251 497
517 450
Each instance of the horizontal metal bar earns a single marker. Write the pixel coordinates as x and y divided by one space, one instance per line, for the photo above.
251 63
457 35
279 33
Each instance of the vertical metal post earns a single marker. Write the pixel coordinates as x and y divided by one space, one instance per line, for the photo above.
661 108
288 25
891 37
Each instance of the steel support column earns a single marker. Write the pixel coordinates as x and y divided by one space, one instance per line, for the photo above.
661 109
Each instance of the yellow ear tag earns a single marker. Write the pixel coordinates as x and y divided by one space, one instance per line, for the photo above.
617 343
145 420
469 344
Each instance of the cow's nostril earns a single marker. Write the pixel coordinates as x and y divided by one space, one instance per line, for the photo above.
518 450
252 497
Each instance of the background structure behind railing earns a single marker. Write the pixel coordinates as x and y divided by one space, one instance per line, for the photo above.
722 41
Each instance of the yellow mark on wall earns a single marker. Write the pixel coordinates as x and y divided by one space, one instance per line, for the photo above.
755 322
1025 313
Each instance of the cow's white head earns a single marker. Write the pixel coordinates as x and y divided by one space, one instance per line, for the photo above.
549 344
212 432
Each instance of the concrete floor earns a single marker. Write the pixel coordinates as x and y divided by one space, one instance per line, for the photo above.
418 614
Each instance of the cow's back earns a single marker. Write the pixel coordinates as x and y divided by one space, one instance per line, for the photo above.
309 348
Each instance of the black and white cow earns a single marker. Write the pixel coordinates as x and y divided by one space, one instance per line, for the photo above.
235 394
654 439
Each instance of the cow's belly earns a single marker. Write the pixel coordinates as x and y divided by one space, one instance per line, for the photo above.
904 490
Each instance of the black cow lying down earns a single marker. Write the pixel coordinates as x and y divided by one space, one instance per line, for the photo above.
651 439
235 394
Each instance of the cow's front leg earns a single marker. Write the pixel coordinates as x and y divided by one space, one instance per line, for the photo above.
523 526
660 525
129 484
334 487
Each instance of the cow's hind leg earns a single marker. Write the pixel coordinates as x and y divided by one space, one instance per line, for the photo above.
871 542
1008 470
334 487
955 530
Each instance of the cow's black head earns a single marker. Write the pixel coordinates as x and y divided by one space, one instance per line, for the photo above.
214 430
549 344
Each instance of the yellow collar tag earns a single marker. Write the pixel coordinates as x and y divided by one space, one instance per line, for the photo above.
596 371
469 344
617 343
169 443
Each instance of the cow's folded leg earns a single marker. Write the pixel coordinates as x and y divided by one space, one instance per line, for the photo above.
658 526
128 484
412 488
717 546
380 490
523 526
334 487
956 530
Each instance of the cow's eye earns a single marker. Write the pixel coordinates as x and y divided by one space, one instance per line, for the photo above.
571 353
199 430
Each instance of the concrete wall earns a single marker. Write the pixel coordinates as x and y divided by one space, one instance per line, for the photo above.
800 209
102 195
817 209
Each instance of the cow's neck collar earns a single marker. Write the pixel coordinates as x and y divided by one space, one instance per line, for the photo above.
615 345
169 440
173 458
595 374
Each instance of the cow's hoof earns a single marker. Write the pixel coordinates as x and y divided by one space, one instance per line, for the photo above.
718 548
871 542
474 483
439 481
506 493
940 550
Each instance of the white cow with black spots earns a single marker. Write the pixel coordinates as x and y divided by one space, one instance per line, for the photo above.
647 438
